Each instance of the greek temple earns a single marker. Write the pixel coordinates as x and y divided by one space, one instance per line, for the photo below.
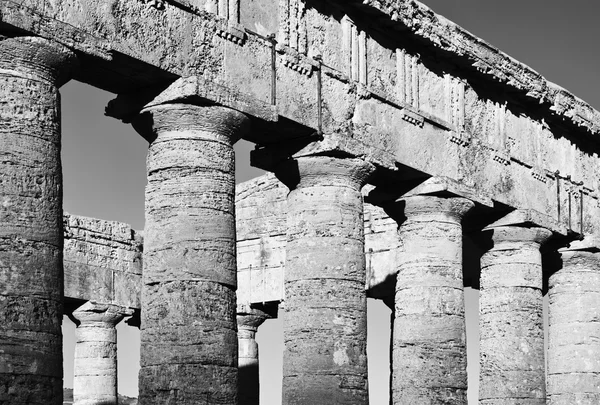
407 159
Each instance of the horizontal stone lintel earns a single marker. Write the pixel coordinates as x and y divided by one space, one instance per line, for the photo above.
442 33
117 278
22 18
241 77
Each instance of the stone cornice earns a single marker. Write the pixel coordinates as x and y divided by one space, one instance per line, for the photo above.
487 59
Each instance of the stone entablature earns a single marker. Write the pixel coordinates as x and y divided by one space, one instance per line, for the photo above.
102 261
387 95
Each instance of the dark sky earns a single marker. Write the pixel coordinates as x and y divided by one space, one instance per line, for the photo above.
557 38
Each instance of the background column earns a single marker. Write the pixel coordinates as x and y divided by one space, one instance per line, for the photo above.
95 381
248 376
189 333
429 359
510 318
31 71
324 317
574 332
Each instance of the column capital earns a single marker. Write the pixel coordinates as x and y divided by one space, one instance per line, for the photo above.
590 243
171 119
580 258
320 170
529 219
251 320
96 313
503 235
427 205
37 58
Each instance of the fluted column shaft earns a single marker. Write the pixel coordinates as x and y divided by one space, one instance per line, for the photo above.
248 366
429 349
31 71
95 372
510 318
574 314
188 332
324 318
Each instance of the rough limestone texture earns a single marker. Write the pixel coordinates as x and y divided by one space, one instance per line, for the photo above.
398 83
31 70
95 372
102 261
248 322
261 208
574 313
189 332
511 328
324 317
429 359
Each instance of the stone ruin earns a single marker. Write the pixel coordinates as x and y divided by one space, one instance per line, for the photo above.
474 169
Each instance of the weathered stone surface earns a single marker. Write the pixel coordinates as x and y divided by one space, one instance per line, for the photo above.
102 261
429 332
381 244
261 208
511 327
31 70
248 322
324 318
573 349
399 102
95 372
339 81
299 30
189 342
500 67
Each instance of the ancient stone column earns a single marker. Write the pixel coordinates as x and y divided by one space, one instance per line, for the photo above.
324 318
248 378
574 312
31 71
189 333
95 381
429 359
511 326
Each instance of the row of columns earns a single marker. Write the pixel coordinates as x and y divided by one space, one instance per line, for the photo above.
95 368
189 332
324 316
428 335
